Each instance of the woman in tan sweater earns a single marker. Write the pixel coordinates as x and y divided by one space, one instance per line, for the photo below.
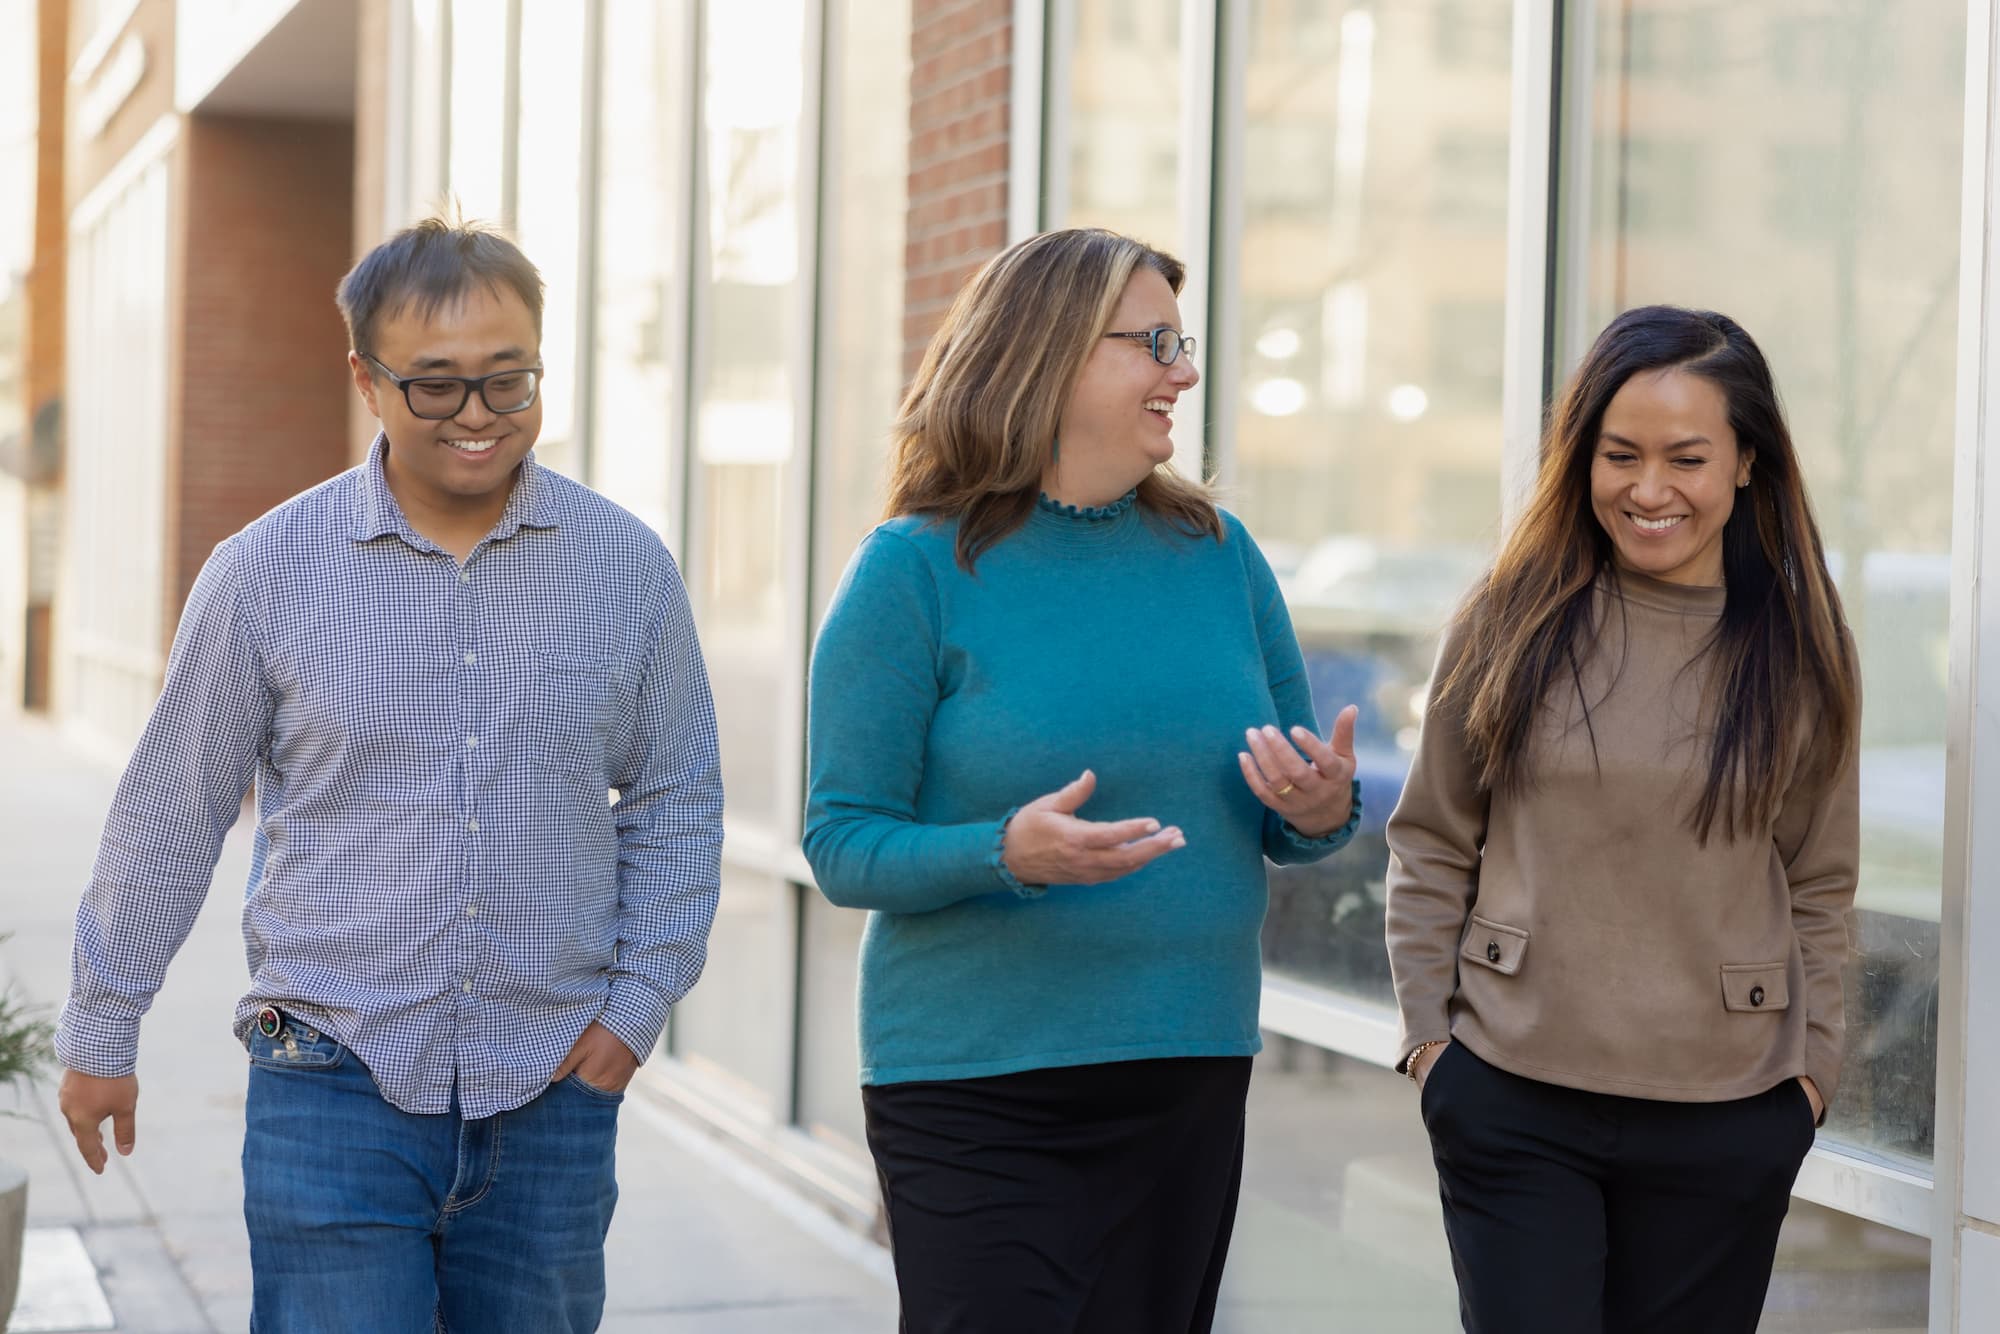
1622 864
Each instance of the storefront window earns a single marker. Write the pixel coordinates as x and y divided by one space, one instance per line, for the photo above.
735 1029
548 212
1367 441
861 379
1796 165
1123 157
477 135
862 231
747 344
641 241
424 166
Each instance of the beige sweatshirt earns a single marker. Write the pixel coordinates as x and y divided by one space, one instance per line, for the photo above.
1577 932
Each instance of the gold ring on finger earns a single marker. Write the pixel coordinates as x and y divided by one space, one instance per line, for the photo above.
1283 790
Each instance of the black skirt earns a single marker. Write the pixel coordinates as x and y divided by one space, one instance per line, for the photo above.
1091 1199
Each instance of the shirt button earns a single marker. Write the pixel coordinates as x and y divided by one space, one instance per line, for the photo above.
1756 996
471 741
472 826
469 657
465 576
466 987
472 910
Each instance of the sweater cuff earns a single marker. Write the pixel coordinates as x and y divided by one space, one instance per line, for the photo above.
997 859
1329 842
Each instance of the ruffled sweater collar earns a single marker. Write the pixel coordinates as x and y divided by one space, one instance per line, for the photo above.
1084 525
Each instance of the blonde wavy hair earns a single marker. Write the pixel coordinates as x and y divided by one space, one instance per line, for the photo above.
976 432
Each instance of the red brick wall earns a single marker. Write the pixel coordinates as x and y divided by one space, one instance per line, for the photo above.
47 269
961 70
258 388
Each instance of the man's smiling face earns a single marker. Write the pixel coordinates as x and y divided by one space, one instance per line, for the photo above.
465 462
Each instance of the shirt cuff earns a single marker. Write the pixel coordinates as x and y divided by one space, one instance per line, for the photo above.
106 1046
635 1015
997 859
1328 842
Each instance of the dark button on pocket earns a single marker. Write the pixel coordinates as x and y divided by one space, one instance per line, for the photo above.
1493 951
1756 995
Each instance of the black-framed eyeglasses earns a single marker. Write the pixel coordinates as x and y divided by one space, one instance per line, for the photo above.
1166 344
440 397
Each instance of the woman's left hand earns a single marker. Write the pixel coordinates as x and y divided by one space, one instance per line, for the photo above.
1313 791
1812 1097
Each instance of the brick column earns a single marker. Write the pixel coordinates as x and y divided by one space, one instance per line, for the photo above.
961 54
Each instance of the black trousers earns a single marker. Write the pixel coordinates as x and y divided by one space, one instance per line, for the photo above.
1583 1213
1094 1199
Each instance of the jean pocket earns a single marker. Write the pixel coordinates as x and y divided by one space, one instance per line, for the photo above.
296 1046
592 1091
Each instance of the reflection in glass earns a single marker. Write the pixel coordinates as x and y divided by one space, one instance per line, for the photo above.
747 311
1796 164
1125 120
1368 439
641 215
1343 1231
861 350
547 211
734 1030
478 134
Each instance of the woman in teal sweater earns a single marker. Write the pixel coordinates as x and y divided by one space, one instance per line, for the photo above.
1058 721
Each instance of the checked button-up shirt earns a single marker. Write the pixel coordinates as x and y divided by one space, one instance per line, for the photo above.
488 804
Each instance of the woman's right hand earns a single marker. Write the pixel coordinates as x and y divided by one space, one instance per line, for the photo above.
1047 844
1427 1060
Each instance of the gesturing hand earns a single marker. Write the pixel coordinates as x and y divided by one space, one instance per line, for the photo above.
1047 844
1314 791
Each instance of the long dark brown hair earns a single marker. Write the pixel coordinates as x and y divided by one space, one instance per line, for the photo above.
1784 680
977 429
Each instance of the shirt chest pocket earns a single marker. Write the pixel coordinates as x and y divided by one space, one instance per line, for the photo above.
569 714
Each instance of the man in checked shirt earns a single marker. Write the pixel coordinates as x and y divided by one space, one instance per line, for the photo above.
489 819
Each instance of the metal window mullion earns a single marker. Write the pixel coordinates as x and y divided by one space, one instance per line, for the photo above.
1965 1236
1198 78
1224 299
1059 54
1026 156
584 397
1534 232
510 114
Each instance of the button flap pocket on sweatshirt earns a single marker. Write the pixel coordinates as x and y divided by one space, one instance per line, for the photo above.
1500 948
1755 987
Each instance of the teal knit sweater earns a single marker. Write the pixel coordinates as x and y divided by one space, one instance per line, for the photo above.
942 701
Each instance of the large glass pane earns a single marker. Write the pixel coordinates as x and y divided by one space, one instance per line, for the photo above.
1123 158
477 148
734 1030
1368 437
1344 1230
863 225
641 220
1796 164
747 311
424 182
829 1047
548 213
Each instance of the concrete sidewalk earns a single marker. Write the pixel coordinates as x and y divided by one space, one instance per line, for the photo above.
701 1241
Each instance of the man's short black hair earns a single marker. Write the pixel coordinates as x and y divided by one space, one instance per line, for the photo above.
427 265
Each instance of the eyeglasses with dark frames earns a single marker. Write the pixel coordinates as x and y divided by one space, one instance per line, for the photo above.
1166 344
441 397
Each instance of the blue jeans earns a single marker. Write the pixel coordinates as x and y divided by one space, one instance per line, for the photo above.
369 1220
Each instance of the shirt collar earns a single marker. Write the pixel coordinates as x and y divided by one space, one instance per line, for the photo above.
531 504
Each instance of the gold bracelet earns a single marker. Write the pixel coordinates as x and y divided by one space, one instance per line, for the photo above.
1410 1066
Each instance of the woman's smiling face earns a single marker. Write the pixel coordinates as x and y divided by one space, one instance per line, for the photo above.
1118 424
1664 476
